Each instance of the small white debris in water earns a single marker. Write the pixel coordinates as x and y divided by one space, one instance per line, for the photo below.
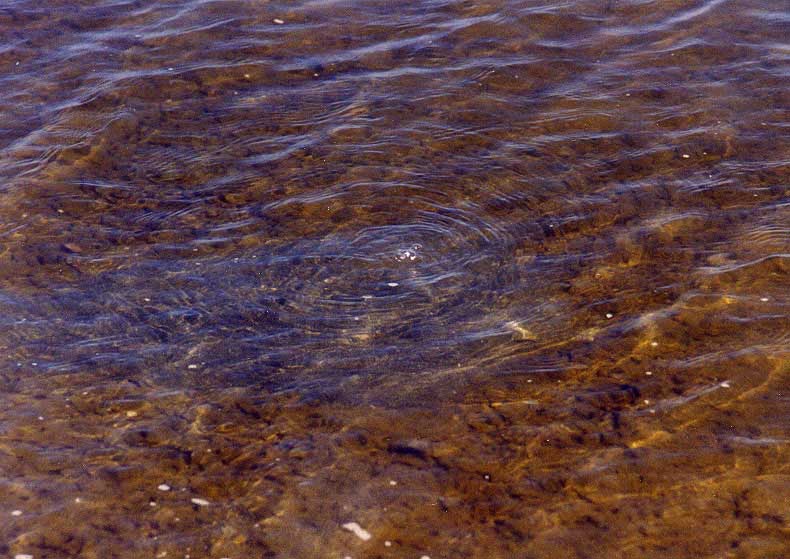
41 418
147 299
278 21
17 64
425 557
609 315
387 543
647 402
77 500
200 502
247 76
686 156
648 373
358 530
393 284
16 513
764 299
131 413
487 477
725 384
22 555
654 344
193 366
163 487
393 482
152 503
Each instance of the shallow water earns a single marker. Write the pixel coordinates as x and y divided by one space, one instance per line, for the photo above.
490 279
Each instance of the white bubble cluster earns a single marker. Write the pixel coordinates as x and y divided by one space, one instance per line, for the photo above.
408 254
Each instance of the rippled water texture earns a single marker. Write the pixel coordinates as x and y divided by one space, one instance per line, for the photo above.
492 279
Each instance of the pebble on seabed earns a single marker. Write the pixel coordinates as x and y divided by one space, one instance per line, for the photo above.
163 487
278 21
200 502
16 513
357 530
23 556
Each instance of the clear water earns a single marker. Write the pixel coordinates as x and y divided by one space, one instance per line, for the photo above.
490 279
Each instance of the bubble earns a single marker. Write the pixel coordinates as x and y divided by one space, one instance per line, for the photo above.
408 254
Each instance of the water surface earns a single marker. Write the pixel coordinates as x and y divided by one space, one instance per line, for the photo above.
491 279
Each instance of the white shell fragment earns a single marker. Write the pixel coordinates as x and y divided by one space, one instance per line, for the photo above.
357 530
